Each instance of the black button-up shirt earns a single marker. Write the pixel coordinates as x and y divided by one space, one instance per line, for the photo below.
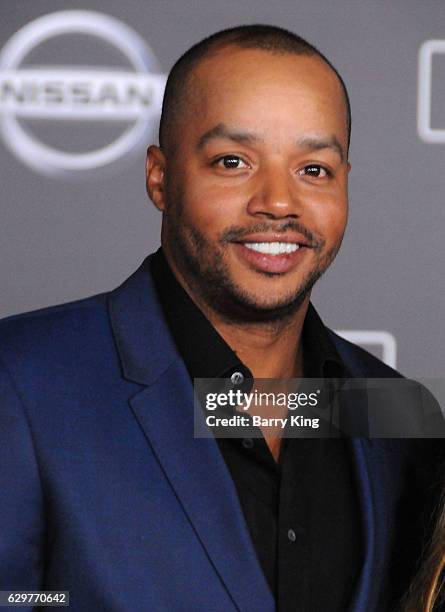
302 512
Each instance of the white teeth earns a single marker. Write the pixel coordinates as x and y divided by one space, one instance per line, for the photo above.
272 248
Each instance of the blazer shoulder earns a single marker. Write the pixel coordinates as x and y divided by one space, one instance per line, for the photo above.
56 310
36 330
360 362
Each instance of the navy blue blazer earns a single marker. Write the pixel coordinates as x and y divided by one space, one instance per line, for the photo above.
105 492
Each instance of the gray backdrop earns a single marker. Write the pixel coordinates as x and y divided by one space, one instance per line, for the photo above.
66 236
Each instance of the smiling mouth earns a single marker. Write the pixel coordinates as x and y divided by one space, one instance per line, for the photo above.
272 248
273 257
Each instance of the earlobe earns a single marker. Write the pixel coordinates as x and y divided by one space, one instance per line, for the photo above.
155 172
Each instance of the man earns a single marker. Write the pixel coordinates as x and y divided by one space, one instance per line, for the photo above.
105 491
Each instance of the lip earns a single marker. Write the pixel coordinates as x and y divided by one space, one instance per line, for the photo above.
265 262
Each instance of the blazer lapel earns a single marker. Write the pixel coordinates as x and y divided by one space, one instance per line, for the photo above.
364 455
366 586
196 471
194 467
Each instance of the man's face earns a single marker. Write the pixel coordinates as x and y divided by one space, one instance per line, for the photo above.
254 189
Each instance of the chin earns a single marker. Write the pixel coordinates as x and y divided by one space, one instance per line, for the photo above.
270 292
262 302
255 307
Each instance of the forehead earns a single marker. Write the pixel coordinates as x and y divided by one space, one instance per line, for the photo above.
266 89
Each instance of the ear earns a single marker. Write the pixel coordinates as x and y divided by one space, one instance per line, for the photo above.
155 172
349 167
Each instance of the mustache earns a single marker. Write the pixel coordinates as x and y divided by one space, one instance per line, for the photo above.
235 234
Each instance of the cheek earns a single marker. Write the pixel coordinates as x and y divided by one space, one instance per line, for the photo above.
211 207
329 219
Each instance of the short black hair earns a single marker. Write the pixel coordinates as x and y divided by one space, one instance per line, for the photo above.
266 37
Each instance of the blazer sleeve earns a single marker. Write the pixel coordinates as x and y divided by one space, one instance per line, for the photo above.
21 498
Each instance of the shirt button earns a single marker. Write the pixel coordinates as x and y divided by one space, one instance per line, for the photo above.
237 378
291 535
247 443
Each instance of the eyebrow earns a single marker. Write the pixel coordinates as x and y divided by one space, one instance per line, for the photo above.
317 144
312 143
223 131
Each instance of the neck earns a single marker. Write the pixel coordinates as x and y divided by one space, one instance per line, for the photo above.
268 349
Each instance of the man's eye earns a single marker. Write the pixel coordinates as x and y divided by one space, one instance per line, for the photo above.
314 170
231 162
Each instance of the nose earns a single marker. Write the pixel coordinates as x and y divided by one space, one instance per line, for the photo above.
275 194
